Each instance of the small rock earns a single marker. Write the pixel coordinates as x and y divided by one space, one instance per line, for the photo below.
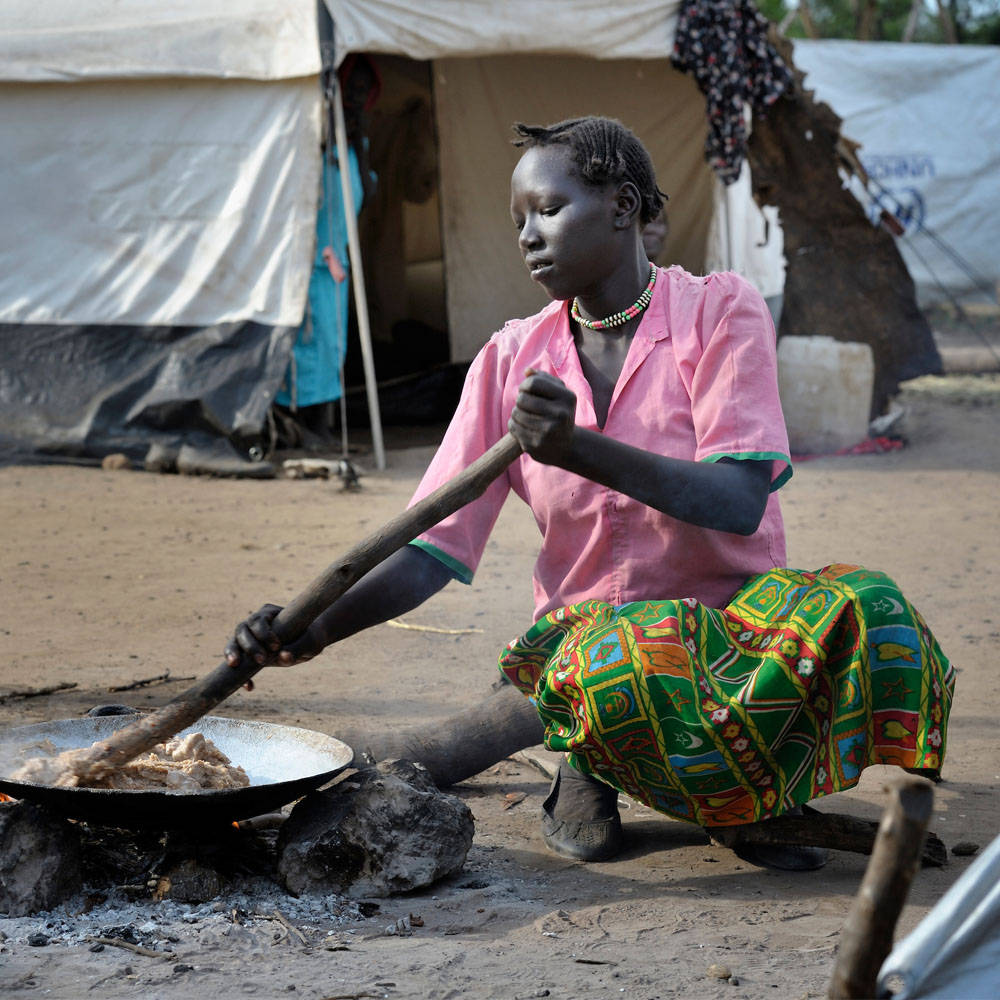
39 859
180 969
733 981
115 462
96 948
38 940
189 882
718 971
964 848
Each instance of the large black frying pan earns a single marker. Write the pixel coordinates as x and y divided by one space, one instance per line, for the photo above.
125 739
282 762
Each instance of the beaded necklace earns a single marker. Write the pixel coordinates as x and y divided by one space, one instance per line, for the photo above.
618 318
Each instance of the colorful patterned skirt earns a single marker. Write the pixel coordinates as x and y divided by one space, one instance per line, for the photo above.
722 717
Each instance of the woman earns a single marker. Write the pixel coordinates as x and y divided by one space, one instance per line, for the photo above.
672 657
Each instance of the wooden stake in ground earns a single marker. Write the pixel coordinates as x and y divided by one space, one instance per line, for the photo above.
866 939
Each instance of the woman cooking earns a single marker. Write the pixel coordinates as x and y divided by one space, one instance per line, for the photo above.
673 657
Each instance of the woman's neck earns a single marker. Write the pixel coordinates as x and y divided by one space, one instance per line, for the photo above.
620 291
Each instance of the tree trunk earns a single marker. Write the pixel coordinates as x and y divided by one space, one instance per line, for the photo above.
947 23
805 16
913 20
866 21
845 277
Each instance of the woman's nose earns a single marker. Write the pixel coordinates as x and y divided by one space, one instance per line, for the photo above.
528 237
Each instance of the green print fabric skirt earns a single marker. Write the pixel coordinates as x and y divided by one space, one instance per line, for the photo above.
722 717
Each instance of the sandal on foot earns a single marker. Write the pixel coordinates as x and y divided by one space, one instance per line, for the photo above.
589 827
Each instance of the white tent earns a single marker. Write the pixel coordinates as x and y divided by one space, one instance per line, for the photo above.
160 161
926 118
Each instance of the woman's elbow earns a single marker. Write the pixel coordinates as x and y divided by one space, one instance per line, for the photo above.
746 518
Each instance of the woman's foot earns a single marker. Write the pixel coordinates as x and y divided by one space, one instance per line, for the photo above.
782 857
580 817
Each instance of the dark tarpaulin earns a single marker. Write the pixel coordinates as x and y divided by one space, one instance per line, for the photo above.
77 393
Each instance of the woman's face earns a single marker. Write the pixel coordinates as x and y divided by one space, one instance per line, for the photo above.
566 227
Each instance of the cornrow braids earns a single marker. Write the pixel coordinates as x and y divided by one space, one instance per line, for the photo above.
605 152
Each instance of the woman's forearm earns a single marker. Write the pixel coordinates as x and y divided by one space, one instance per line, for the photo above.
725 496
401 583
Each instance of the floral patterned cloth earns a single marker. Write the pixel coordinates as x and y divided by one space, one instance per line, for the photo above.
723 717
723 44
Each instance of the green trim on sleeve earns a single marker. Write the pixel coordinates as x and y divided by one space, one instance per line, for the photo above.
458 570
761 456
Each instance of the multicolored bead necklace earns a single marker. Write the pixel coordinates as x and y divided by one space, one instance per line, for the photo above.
618 318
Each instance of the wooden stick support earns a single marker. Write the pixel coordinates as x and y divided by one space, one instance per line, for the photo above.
293 620
821 829
866 938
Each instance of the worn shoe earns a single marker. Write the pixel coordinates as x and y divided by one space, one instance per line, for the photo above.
580 817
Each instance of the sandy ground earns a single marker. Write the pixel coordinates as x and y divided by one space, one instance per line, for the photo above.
112 577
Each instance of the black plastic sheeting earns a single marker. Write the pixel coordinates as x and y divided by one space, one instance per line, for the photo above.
78 393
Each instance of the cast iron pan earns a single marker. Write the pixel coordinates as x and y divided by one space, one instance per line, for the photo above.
283 762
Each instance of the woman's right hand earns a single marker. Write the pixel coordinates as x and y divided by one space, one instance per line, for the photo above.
255 640
543 418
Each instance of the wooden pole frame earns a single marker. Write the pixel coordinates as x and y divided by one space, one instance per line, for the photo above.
358 278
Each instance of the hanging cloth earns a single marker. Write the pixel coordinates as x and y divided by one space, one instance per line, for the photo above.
723 44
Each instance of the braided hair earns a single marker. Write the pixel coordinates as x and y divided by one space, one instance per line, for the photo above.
605 151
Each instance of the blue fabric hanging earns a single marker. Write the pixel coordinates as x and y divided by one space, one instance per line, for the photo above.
313 376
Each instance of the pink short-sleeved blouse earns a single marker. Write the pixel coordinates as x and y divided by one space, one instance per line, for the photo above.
699 383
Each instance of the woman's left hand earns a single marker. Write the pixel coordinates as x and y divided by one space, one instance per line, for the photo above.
544 417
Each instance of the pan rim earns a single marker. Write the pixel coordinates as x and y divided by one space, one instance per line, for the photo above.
111 723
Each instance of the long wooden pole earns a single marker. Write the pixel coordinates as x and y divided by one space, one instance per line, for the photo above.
358 282
189 706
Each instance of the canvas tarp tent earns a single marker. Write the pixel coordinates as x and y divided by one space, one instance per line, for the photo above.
493 64
159 188
926 119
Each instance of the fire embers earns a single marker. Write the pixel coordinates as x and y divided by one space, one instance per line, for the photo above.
45 859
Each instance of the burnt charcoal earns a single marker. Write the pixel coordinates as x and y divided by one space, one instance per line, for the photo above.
189 881
123 932
39 859
115 857
387 830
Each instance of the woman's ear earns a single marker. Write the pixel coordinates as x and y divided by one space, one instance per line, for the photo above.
627 205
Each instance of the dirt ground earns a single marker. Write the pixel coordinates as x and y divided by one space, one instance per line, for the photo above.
113 577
